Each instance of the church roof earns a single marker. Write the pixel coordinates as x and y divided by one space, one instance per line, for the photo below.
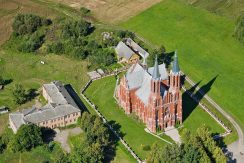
138 77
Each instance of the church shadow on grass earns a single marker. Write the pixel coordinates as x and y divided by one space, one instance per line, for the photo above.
188 104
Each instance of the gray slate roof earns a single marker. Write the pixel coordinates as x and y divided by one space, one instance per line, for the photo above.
136 48
17 118
41 115
58 93
138 77
123 51
62 104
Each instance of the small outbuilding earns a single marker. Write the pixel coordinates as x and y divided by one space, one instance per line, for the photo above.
129 51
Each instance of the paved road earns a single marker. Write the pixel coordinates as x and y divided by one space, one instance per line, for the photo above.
237 148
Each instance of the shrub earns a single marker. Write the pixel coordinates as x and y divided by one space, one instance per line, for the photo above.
76 29
124 34
28 23
85 11
27 137
19 94
32 44
146 148
56 47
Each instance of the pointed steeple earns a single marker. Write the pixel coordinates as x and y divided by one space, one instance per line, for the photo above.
175 68
156 74
144 61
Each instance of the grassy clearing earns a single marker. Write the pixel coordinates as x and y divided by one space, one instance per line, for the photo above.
228 8
205 46
37 155
101 93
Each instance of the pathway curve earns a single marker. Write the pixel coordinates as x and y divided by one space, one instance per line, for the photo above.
237 148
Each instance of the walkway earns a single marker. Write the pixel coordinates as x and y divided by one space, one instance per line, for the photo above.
237 148
173 133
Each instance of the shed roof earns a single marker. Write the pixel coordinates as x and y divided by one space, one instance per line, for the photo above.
124 51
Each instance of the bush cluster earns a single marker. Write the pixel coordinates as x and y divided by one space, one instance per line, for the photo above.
28 23
96 143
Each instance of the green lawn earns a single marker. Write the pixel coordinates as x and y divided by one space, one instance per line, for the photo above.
101 93
198 117
205 46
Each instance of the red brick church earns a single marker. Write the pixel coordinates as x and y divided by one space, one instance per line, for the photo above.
153 94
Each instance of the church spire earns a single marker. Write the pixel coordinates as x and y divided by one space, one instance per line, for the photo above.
175 67
156 74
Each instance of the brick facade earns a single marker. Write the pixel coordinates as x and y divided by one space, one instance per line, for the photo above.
160 111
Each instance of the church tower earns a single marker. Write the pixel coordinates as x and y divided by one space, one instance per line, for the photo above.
155 100
176 97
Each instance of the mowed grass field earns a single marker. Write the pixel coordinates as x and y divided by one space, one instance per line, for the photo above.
229 8
101 94
110 11
205 46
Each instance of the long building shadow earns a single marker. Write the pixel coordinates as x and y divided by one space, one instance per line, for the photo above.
188 104
76 97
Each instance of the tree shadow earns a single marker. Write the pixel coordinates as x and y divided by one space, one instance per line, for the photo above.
116 126
189 104
168 58
31 94
7 81
48 134
76 97
111 151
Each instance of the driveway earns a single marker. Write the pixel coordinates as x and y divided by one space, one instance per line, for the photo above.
62 137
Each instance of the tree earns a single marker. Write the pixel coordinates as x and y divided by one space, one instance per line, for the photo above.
155 155
26 23
191 154
239 29
160 53
198 147
19 94
32 44
27 137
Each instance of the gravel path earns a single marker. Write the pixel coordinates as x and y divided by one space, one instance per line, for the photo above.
62 137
